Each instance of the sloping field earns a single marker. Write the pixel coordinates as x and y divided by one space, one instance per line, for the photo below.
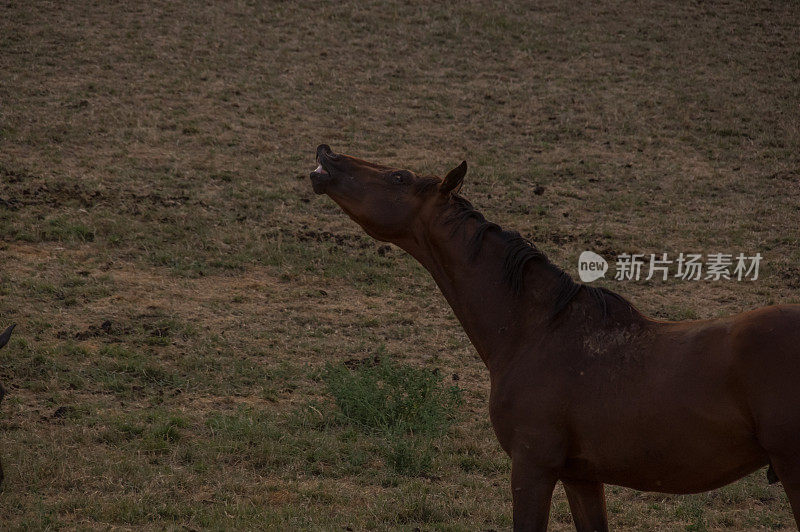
179 290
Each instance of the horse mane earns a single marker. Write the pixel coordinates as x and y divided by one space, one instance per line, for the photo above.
518 252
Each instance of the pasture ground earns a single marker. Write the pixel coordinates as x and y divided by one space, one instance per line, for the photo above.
178 289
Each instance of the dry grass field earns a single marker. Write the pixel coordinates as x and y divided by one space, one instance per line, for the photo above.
182 298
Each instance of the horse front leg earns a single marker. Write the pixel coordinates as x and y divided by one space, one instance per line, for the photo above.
587 502
532 493
788 469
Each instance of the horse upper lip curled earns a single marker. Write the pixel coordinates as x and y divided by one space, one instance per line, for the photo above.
320 176
584 388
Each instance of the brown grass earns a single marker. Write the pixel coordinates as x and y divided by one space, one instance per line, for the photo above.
153 178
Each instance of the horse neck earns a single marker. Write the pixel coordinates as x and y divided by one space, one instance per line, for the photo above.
496 319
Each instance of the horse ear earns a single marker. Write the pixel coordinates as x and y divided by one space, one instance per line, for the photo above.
454 179
6 335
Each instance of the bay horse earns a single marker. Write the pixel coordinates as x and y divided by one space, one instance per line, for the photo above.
3 341
584 388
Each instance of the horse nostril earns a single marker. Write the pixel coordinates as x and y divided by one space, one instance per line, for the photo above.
323 149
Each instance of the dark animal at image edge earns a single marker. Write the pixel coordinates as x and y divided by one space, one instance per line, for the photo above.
584 388
3 341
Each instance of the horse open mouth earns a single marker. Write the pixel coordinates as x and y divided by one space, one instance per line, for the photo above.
320 177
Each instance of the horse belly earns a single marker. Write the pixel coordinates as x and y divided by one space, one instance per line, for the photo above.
685 455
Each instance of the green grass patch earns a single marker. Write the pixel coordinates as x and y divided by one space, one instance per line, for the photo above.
393 398
406 406
63 229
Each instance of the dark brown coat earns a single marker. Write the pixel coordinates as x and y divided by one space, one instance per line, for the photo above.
3 341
